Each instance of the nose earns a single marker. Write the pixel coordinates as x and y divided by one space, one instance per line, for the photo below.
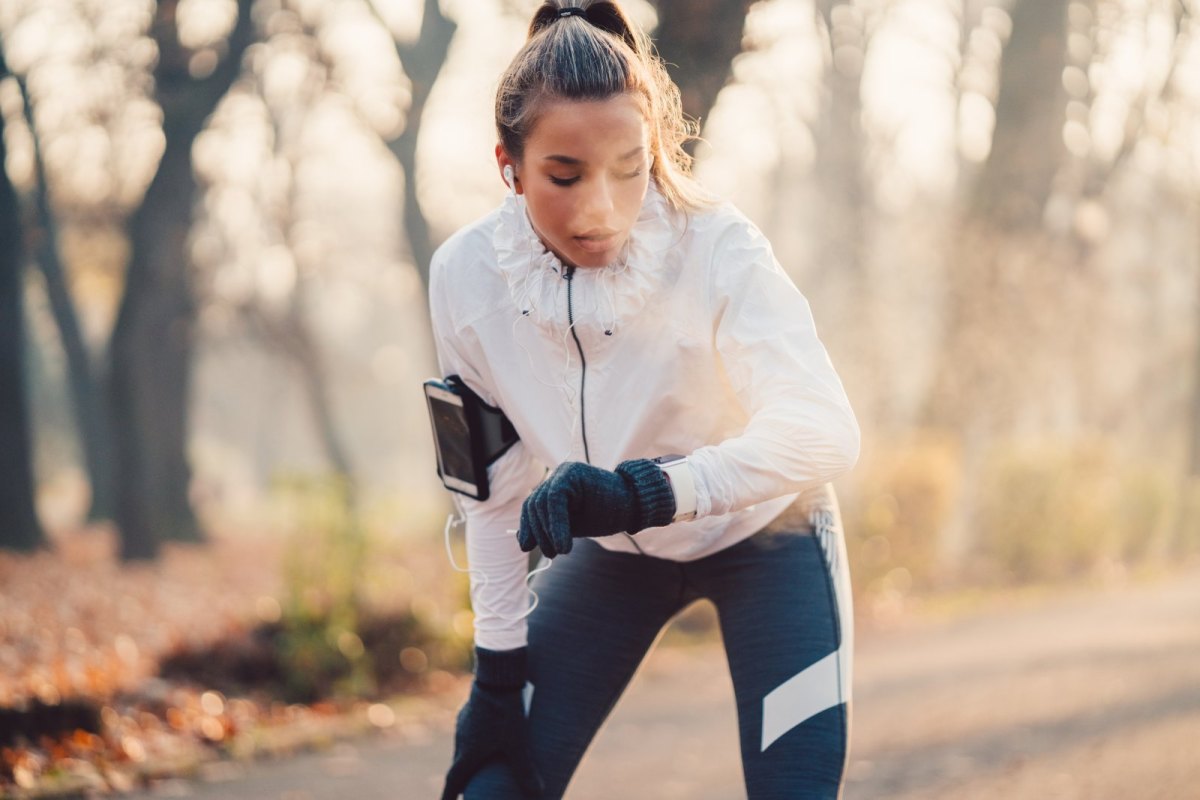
598 202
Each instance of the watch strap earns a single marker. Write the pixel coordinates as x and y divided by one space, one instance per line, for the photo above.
683 484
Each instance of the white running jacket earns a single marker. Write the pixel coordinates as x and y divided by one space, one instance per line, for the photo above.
698 343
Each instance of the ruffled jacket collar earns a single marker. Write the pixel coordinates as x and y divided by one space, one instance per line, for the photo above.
603 298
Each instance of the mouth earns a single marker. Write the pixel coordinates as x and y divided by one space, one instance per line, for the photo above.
596 243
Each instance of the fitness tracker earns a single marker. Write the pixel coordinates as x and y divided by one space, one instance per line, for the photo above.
683 485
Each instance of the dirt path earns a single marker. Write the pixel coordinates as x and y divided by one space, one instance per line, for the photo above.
1090 695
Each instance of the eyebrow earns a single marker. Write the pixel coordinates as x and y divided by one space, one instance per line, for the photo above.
571 161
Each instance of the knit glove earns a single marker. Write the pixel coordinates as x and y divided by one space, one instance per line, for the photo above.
582 500
492 724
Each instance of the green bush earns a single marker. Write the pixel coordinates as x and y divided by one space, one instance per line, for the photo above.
899 503
1184 538
1051 511
323 566
1035 512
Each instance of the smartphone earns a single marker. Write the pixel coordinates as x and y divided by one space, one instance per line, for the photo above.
459 465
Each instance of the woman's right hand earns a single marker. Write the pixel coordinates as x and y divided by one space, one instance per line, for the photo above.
492 725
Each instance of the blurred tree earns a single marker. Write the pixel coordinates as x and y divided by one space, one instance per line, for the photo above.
304 35
422 60
699 40
19 526
152 342
843 240
291 335
89 401
839 134
287 330
1027 151
982 376
1000 256
1160 118
1193 456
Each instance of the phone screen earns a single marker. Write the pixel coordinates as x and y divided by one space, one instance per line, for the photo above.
453 439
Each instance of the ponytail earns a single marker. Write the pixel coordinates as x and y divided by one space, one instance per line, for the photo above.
603 15
589 50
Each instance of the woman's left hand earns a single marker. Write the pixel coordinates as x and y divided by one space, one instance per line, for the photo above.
581 500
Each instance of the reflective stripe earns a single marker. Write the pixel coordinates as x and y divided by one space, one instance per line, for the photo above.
804 695
826 683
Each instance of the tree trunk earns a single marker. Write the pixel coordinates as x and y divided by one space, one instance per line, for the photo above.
1027 145
315 381
151 352
840 174
152 340
289 335
1003 267
699 40
19 526
88 401
422 61
1193 463
1000 253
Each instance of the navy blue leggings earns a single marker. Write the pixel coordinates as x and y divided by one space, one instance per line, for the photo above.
782 597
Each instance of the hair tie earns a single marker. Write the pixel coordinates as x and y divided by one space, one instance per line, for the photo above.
563 13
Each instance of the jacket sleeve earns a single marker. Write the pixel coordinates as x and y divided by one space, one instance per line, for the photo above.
498 567
801 430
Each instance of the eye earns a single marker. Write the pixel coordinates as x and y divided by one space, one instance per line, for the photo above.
635 174
564 181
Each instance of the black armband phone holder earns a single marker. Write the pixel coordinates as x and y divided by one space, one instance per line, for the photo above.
468 435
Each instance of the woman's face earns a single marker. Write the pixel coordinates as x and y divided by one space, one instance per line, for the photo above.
584 176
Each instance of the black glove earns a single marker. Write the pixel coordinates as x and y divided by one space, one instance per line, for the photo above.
582 500
492 724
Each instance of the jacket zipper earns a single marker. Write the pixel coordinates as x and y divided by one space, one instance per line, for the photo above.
569 275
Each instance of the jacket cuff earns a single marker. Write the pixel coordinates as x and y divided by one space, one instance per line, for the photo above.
655 500
500 669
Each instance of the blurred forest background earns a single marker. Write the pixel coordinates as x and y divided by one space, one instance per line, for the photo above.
216 219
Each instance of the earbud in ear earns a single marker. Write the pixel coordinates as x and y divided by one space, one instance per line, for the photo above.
510 177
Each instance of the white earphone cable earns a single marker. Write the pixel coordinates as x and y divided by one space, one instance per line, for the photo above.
456 519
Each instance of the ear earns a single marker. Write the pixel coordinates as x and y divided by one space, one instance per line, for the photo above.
503 162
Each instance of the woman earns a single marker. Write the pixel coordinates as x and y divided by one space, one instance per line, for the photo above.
649 349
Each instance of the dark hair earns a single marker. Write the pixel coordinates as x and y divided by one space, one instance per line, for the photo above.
594 56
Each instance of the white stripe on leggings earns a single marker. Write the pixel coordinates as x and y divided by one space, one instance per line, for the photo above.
802 696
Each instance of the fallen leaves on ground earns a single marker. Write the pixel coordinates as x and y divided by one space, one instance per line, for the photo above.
80 629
